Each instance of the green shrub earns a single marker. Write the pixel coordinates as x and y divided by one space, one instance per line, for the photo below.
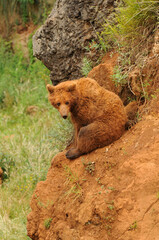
86 66
132 20
119 78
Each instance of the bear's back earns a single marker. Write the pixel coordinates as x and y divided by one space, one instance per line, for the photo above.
90 89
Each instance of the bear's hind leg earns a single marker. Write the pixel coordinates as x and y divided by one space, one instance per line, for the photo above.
90 137
73 153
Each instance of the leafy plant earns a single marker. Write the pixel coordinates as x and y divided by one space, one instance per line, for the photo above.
93 46
72 178
119 78
89 167
6 163
111 207
133 226
47 223
86 66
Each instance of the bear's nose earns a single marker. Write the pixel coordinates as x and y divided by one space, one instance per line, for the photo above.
65 116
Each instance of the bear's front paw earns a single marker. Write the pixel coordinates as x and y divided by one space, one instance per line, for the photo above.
73 153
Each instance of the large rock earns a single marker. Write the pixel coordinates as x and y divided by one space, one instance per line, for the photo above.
60 42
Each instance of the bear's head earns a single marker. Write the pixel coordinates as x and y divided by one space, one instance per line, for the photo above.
63 97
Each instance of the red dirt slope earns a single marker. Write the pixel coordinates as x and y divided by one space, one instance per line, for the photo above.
109 194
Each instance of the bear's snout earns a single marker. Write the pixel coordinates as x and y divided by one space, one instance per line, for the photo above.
64 110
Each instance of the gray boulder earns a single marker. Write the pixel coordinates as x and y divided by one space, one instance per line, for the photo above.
60 42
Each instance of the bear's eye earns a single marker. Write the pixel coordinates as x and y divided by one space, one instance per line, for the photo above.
67 103
58 104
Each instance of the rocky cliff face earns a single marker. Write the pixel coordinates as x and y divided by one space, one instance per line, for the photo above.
60 42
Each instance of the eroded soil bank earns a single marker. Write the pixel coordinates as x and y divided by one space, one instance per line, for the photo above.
111 193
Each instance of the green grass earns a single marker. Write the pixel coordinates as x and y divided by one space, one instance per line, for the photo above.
133 20
135 16
47 223
28 142
130 32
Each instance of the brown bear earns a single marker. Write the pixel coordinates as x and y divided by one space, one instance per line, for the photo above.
97 114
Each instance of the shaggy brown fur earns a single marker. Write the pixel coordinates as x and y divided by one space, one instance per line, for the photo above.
97 114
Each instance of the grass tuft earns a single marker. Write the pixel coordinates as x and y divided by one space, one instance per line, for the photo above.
130 33
86 66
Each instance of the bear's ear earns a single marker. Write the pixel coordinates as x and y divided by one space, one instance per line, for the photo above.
71 88
50 88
